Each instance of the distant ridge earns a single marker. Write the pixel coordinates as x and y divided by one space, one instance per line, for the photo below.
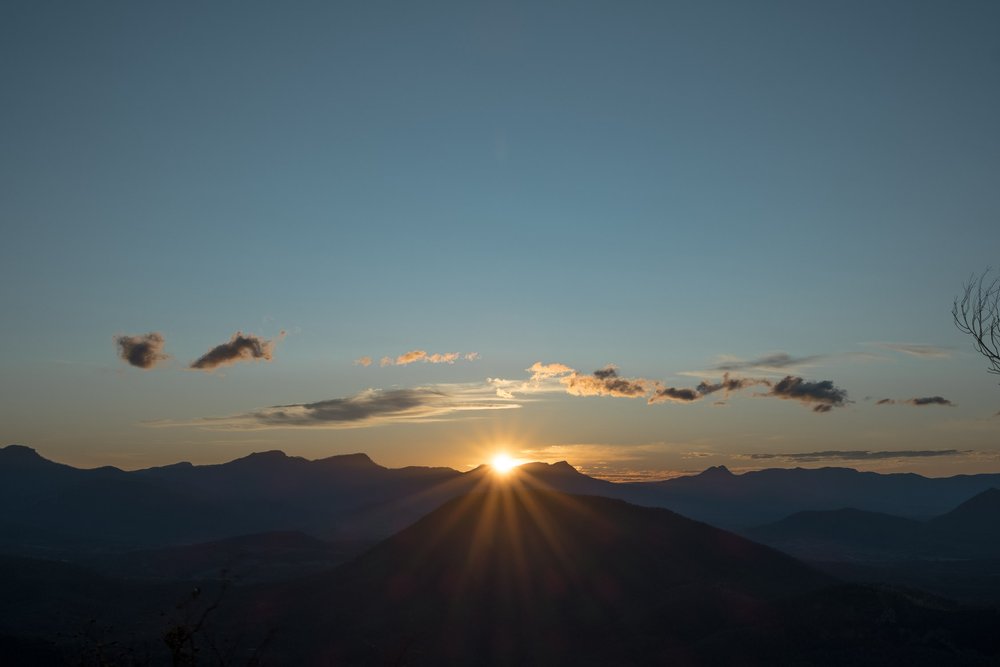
967 531
48 507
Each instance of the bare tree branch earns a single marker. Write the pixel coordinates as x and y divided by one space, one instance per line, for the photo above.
977 313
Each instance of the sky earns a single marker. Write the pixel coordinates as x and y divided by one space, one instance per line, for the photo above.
645 238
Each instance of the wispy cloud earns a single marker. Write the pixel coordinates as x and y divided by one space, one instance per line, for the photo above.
771 364
540 371
544 379
859 455
363 361
775 362
916 349
241 347
411 357
414 356
367 408
729 384
143 350
446 358
918 402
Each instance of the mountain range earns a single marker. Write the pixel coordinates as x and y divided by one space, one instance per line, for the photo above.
52 509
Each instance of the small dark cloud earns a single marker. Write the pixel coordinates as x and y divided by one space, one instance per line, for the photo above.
919 402
774 361
822 395
675 394
859 455
606 372
141 351
241 347
929 400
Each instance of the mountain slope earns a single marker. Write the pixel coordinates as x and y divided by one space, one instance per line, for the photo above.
515 574
519 575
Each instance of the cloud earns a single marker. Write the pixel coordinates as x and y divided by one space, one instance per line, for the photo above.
411 357
918 402
775 362
241 347
916 349
704 388
540 371
414 356
556 377
544 379
446 358
859 455
728 384
673 394
143 350
367 408
823 394
363 361
606 382
929 400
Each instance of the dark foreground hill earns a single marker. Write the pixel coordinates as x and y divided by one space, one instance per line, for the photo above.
508 574
524 576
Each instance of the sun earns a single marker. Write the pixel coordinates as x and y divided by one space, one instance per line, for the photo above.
502 463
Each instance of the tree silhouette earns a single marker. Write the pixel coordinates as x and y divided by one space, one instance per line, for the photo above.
977 313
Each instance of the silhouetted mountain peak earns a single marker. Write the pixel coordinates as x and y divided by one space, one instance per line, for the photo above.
716 472
357 460
262 460
21 455
558 468
19 451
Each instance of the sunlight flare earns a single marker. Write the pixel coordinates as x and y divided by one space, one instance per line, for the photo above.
503 463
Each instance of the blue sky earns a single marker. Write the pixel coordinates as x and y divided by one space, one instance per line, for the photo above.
659 186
